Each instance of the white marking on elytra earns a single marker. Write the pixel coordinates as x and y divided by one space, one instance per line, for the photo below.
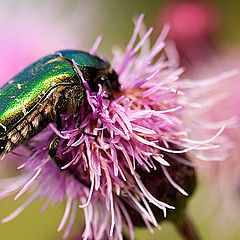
3 126
53 84
23 108
19 86
40 104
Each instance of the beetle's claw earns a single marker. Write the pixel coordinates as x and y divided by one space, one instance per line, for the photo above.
88 134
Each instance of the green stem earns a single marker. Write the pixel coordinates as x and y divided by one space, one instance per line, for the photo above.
186 228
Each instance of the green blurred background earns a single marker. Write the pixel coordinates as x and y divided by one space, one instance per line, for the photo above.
113 20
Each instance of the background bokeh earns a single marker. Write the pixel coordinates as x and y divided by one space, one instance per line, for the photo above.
32 29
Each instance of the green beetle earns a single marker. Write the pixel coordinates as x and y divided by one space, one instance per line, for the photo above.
44 90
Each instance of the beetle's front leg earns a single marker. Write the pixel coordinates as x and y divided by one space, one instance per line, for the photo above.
52 150
82 130
53 146
76 115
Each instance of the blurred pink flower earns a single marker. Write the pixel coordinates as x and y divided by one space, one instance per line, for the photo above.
193 25
226 100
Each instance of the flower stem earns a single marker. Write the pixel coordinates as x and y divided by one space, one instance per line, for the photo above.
186 228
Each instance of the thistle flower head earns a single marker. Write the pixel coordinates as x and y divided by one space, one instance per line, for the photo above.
138 134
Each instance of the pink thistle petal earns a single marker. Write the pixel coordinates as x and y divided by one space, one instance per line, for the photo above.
66 214
90 194
21 208
28 184
71 221
173 183
96 45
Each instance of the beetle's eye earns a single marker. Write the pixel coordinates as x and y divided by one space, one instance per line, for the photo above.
113 79
101 80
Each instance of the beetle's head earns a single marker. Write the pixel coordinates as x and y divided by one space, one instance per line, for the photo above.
108 79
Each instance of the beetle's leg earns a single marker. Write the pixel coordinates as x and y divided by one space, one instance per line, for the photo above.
53 146
88 134
52 153
76 114
52 150
82 130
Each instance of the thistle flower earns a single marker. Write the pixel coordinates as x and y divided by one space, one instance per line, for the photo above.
140 134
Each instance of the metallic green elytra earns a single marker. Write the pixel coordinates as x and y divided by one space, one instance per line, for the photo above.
49 87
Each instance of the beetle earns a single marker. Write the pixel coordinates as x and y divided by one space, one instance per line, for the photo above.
49 87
